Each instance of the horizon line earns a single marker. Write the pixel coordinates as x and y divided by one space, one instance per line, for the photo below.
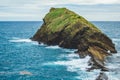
42 20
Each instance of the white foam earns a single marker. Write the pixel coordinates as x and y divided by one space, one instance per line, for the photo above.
75 64
69 56
72 64
42 44
115 39
53 47
112 76
19 40
88 75
69 50
72 55
113 65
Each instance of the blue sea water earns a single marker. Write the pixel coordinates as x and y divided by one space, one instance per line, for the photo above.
23 59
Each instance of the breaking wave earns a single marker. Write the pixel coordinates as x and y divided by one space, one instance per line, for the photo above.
115 39
22 40
53 47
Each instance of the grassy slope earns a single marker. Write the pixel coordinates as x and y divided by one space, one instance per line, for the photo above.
58 18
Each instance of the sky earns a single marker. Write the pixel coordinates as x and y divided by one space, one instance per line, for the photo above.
35 10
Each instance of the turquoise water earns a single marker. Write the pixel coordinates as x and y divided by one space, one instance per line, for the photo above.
23 59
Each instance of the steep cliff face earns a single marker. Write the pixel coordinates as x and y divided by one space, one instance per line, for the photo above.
69 30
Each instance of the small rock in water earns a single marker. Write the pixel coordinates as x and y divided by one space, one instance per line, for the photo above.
25 73
102 76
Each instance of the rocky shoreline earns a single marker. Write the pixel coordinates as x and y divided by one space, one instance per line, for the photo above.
69 30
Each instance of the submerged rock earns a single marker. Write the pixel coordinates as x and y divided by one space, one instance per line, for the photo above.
25 73
69 30
102 76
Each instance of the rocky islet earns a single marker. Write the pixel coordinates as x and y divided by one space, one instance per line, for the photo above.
69 30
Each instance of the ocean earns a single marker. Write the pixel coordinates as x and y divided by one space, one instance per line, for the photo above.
23 59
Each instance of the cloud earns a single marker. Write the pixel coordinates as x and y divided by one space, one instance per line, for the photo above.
92 1
15 15
36 9
55 2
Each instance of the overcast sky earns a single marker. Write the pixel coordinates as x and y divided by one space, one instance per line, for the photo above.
35 10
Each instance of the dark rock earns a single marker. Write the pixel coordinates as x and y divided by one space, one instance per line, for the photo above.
96 64
102 76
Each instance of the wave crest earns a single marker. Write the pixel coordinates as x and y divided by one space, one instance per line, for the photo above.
115 39
53 47
22 40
